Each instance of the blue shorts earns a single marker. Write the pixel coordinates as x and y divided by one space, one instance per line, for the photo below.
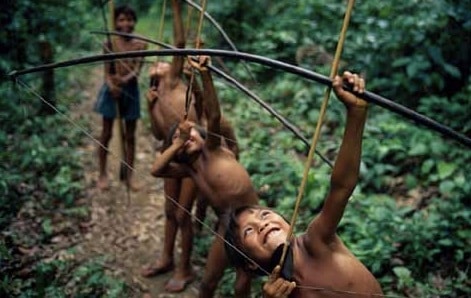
130 108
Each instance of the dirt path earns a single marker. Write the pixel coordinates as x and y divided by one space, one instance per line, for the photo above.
128 234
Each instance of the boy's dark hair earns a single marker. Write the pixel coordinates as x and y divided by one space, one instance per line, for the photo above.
126 10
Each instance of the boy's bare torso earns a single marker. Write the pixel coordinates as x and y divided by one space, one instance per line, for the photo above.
126 66
169 107
223 180
332 272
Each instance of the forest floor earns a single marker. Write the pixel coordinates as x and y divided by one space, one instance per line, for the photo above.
127 231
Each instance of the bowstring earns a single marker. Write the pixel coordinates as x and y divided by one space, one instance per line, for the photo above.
175 201
343 292
215 233
78 126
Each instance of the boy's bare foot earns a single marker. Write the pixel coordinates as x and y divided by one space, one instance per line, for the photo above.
103 183
133 185
179 282
156 268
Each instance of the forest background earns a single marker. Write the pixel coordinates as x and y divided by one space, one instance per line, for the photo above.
409 219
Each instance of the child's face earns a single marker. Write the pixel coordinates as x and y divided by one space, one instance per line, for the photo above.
194 144
125 23
159 69
260 232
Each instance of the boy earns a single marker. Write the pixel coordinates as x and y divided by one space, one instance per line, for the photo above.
321 264
220 178
120 91
166 105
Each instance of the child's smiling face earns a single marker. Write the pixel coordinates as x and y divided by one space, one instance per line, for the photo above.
125 23
260 232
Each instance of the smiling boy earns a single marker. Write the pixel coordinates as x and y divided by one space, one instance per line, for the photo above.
120 91
322 266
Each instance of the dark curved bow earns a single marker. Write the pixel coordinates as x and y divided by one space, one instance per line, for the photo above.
310 75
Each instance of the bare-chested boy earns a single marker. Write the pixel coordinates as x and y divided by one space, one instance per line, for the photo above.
166 104
321 264
216 172
120 89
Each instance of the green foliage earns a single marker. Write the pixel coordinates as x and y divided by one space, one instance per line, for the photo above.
410 55
58 278
26 23
39 164
40 167
397 149
428 244
37 160
140 6
453 111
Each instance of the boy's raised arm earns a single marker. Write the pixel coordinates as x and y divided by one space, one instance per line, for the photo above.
196 89
163 166
210 104
346 169
227 131
179 40
169 169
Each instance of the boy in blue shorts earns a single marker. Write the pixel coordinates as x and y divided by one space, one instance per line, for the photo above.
120 93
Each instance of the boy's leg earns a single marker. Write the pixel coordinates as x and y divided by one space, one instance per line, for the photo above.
130 139
165 261
105 138
183 274
201 207
243 283
215 265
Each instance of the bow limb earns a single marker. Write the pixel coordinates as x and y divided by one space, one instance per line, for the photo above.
296 70
222 32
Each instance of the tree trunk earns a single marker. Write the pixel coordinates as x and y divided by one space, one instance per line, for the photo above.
48 86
